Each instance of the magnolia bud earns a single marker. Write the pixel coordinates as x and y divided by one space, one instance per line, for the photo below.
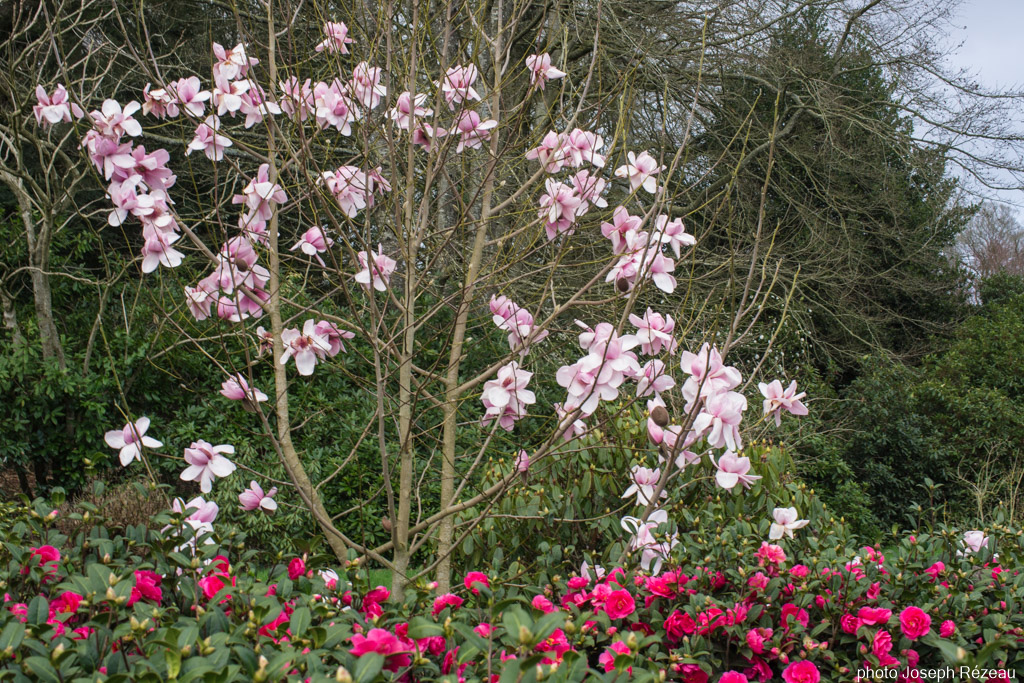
622 284
386 523
660 416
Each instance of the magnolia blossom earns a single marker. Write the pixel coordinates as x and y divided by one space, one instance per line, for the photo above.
365 85
708 374
517 321
350 187
589 188
190 95
645 481
236 388
541 70
382 266
776 400
337 38
233 63
673 233
640 171
472 130
645 540
549 153
786 522
407 109
622 225
260 195
307 347
227 95
157 250
424 135
581 146
297 99
56 107
200 519
558 208
653 379
313 243
974 541
130 439
506 397
720 420
253 498
732 470
599 571
111 121
457 84
208 140
205 462
570 428
522 461
654 332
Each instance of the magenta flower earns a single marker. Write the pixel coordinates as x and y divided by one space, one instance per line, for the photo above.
589 189
190 95
233 63
622 225
296 98
206 462
446 600
383 267
253 498
802 671
541 70
506 397
425 135
313 243
365 85
559 207
654 332
208 140
776 400
457 84
333 108
549 153
522 461
645 481
56 107
640 171
473 132
130 440
607 658
337 38
786 522
719 420
732 470
708 374
384 643
334 335
260 195
236 388
406 111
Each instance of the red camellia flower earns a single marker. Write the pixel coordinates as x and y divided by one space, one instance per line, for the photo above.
947 629
733 677
679 624
296 568
874 616
801 672
147 585
384 643
619 604
446 600
45 556
476 577
915 622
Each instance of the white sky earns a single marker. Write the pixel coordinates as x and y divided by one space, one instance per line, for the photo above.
992 48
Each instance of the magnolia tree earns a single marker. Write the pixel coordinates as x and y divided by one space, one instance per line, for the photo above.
380 203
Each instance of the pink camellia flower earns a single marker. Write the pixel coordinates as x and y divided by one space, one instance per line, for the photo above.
654 332
56 107
541 70
337 38
473 131
147 585
733 469
307 347
313 243
719 421
506 397
208 140
607 658
233 63
384 643
559 206
296 568
640 171
253 498
483 629
130 440
672 233
619 604
936 569
365 85
446 600
801 672
733 677
915 622
947 629
190 95
236 388
874 616
881 644
408 109
549 153
383 267
473 578
645 481
769 554
542 604
457 84
786 522
206 462
776 400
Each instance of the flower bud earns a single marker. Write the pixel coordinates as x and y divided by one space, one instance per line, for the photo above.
342 675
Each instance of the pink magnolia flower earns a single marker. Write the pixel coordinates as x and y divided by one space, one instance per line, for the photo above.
708 374
719 420
236 388
233 63
653 379
425 135
208 140
644 539
313 243
589 189
56 107
622 225
654 332
640 171
350 187
253 498
570 428
335 336
297 99
672 233
333 108
206 462
473 132
408 109
157 251
227 95
457 84
365 85
256 106
199 299
517 321
203 511
549 153
130 440
111 121
559 206
541 70
581 146
522 461
802 671
506 397
260 195
383 267
974 541
776 400
915 622
337 38
786 522
307 347
732 470
645 481
190 95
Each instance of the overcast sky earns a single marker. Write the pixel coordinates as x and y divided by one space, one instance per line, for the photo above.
991 47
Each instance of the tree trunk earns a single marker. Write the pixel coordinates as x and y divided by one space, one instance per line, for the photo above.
39 262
